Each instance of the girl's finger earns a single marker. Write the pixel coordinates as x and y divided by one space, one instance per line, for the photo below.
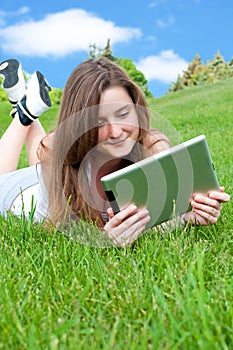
219 196
129 237
138 216
213 209
128 226
210 219
199 199
110 213
122 215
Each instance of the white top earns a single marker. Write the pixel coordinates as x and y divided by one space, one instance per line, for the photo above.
34 197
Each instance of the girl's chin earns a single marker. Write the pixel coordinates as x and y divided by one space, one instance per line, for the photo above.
117 153
114 151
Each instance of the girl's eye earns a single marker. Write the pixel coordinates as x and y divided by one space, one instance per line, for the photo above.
101 122
124 114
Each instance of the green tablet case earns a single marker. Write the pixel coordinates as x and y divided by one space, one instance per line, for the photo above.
164 183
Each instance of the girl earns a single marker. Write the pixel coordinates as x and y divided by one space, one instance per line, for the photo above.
103 125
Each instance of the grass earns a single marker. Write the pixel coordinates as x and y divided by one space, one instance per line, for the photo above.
171 291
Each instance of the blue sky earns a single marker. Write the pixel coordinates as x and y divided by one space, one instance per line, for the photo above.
160 36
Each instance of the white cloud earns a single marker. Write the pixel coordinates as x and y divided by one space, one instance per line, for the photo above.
153 5
4 15
151 38
165 23
63 33
2 21
2 18
22 10
165 67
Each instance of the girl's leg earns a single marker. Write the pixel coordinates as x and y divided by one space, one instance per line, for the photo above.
10 151
34 136
11 145
25 127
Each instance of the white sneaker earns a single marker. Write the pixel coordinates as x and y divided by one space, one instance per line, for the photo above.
14 82
36 100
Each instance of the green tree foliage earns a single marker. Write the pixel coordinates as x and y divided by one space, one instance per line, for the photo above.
218 68
231 67
3 96
127 64
136 75
56 96
194 75
197 73
194 71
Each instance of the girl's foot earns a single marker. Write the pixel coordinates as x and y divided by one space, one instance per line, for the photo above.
14 82
36 100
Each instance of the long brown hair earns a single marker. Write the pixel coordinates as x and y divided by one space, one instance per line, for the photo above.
76 134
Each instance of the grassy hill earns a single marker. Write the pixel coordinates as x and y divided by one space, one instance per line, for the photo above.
207 109
169 291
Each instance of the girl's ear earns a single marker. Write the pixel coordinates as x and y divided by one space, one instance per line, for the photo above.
45 147
48 140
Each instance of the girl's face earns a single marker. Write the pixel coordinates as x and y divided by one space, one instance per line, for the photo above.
118 123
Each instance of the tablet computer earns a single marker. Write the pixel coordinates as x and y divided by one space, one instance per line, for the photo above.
164 182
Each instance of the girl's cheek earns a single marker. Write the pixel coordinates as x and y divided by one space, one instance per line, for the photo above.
101 135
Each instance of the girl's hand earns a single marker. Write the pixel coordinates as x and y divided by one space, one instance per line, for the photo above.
206 208
125 227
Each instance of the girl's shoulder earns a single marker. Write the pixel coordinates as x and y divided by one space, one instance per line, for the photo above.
156 141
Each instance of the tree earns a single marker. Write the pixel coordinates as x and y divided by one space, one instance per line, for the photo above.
177 85
218 67
97 52
126 64
136 75
195 73
231 67
198 73
191 76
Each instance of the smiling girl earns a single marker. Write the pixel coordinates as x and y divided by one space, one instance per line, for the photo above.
103 125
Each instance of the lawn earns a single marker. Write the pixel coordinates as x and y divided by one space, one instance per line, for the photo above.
168 291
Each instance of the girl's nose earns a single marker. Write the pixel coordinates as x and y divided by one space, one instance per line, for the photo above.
115 130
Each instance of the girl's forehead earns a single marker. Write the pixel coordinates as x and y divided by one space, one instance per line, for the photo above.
113 95
113 100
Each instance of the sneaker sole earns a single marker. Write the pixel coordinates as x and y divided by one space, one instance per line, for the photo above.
9 69
44 89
